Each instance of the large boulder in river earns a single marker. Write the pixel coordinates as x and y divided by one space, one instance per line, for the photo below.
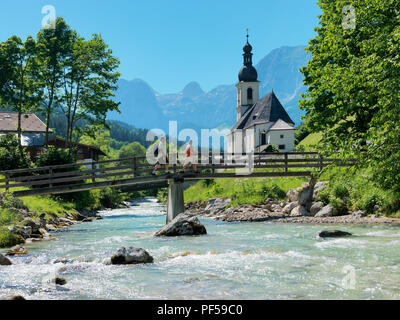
333 234
4 261
183 225
131 255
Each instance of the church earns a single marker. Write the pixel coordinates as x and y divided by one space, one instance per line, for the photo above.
260 122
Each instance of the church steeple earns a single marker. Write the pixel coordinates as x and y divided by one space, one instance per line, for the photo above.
248 73
248 86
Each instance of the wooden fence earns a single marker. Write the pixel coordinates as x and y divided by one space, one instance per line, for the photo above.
130 171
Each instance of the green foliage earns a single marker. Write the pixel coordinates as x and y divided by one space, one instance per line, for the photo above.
111 197
131 150
353 86
55 156
8 239
19 87
11 156
9 217
301 132
208 182
271 148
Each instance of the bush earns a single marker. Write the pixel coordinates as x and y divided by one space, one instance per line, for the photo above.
8 239
55 156
341 191
340 206
9 217
11 156
208 182
273 191
111 197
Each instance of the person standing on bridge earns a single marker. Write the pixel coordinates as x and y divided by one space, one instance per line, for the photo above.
161 154
190 157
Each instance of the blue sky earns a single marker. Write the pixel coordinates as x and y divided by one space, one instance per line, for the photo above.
169 43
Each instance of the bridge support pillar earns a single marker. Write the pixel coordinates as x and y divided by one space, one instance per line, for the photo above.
176 204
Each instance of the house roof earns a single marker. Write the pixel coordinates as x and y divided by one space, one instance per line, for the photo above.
281 125
61 143
29 122
267 109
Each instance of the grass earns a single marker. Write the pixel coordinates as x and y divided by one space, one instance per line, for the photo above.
242 191
310 142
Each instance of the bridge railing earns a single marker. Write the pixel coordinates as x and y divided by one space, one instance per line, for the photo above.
135 167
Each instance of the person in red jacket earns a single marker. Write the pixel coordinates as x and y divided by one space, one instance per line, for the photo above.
190 157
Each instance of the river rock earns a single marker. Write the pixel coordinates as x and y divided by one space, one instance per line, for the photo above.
216 205
288 208
131 255
24 231
319 186
316 207
306 195
35 225
299 211
183 225
326 211
59 281
4 261
51 227
333 234
359 214
16 297
17 251
293 195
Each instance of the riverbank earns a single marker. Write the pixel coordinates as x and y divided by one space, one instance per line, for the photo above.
233 261
36 218
274 211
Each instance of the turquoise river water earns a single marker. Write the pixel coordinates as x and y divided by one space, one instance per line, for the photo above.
234 261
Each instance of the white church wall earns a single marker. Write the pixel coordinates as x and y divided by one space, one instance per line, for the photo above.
284 138
259 128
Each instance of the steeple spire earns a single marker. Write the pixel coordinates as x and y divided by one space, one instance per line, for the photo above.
248 73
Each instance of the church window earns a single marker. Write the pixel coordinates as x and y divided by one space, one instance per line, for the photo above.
250 94
282 147
282 136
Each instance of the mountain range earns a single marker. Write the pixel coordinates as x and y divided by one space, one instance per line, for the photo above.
194 108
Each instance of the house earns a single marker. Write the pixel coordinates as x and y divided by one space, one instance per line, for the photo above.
86 153
33 130
260 122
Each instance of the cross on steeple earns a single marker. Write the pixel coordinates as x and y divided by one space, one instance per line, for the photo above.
247 34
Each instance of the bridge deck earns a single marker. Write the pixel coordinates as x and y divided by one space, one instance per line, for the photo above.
136 172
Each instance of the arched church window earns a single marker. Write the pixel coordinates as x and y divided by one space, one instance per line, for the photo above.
249 94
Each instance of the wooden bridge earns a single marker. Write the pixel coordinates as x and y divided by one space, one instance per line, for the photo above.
135 173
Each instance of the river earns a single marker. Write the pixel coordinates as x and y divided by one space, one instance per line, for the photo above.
234 261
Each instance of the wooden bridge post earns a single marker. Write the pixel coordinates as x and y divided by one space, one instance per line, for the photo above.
134 167
7 183
286 162
51 177
321 163
176 204
93 173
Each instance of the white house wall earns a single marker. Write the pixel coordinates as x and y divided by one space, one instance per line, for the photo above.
30 139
